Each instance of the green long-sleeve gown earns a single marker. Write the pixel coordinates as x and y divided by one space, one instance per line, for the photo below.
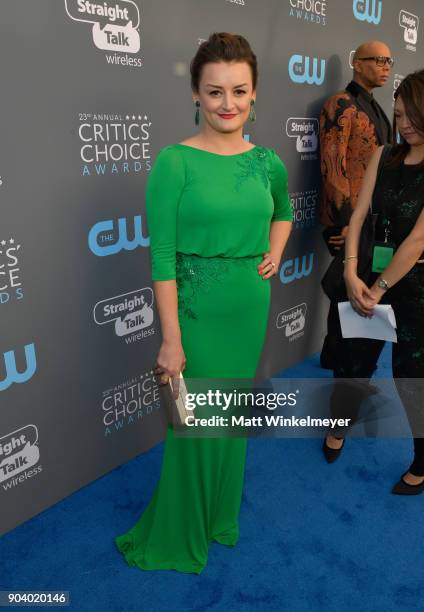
209 219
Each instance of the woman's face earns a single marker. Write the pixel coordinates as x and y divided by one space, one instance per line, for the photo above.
225 92
405 127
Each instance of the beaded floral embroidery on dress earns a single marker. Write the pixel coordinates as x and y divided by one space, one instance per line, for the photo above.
195 274
253 166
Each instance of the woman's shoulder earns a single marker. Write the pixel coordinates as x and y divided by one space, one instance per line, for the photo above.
269 151
168 162
383 154
169 150
169 155
274 158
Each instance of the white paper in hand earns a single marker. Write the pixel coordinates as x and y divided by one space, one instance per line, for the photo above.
381 326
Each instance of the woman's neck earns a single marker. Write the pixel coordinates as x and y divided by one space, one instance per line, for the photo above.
221 142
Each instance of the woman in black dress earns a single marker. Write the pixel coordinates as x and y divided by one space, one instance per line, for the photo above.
399 198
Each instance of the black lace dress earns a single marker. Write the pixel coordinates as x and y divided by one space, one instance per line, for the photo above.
399 196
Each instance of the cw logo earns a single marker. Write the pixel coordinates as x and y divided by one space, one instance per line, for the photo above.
300 70
103 233
295 269
12 374
367 10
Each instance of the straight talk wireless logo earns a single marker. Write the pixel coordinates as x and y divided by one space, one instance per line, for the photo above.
131 313
115 27
292 321
19 454
409 24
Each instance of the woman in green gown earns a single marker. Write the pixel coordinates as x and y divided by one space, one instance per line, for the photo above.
219 217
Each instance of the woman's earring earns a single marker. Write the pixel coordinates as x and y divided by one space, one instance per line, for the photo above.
252 114
197 115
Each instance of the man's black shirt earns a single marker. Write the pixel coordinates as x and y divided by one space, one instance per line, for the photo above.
371 107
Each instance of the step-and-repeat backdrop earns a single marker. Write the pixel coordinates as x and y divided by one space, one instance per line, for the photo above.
90 92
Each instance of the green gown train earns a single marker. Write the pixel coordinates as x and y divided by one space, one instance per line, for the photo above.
209 219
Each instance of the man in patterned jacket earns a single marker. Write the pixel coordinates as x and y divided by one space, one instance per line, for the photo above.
352 126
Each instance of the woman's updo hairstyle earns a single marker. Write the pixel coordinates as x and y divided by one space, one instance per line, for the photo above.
222 47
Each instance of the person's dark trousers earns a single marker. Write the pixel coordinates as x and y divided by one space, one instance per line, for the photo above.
355 363
408 356
330 351
327 357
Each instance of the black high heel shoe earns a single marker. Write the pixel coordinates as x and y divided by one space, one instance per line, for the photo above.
403 488
331 454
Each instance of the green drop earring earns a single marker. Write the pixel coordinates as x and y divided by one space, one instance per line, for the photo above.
197 115
252 114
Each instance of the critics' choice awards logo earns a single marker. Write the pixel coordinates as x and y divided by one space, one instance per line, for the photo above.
409 23
115 27
114 144
108 238
305 207
292 321
10 271
297 268
10 367
313 11
19 453
129 402
132 314
367 10
305 69
305 131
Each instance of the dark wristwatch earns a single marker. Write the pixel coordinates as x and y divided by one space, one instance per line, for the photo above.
383 284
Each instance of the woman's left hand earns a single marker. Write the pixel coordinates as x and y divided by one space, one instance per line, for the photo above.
376 294
268 266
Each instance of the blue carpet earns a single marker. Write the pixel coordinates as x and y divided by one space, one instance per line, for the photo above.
313 536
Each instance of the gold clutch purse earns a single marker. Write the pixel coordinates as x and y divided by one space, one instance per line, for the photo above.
175 408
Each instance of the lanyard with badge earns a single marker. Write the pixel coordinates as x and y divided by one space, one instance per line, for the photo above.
383 250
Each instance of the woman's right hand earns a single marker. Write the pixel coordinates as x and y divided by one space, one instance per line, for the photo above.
170 362
359 295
